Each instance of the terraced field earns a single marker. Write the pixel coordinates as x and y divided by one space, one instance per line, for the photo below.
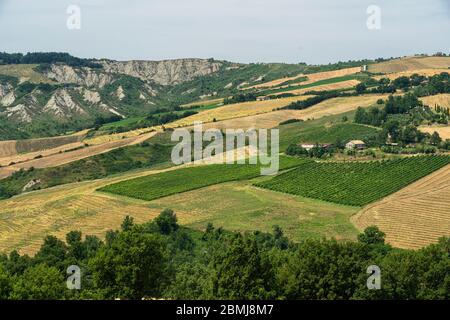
272 119
354 183
410 64
237 110
60 158
414 216
312 77
203 103
323 87
14 147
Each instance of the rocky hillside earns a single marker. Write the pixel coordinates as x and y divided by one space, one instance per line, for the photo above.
75 96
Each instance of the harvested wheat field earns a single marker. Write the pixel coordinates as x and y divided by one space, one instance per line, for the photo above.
415 216
444 131
59 210
8 148
410 64
31 145
442 100
203 103
4 161
237 110
14 147
78 206
422 72
274 83
58 159
312 77
120 136
272 119
324 87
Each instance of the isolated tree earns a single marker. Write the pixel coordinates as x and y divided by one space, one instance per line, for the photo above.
372 235
167 221
360 88
435 139
127 223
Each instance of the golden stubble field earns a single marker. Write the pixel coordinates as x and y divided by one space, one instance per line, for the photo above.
53 158
410 64
312 77
442 100
442 130
414 216
237 110
272 119
422 72
324 87
26 219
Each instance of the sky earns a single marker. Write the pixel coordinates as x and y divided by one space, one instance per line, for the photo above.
291 31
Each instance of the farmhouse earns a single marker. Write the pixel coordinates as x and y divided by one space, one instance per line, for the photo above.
356 144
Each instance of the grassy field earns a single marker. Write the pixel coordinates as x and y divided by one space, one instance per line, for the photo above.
410 64
191 178
414 216
239 206
24 72
354 183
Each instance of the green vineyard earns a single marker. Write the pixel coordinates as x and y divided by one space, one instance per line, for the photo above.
354 183
171 182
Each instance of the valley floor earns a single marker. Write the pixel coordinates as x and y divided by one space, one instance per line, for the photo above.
234 206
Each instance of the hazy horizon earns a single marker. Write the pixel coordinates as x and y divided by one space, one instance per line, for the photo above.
239 31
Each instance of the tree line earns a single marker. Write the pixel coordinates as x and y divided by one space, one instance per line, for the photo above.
161 259
46 58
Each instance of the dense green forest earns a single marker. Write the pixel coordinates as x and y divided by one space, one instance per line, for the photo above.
46 58
161 259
